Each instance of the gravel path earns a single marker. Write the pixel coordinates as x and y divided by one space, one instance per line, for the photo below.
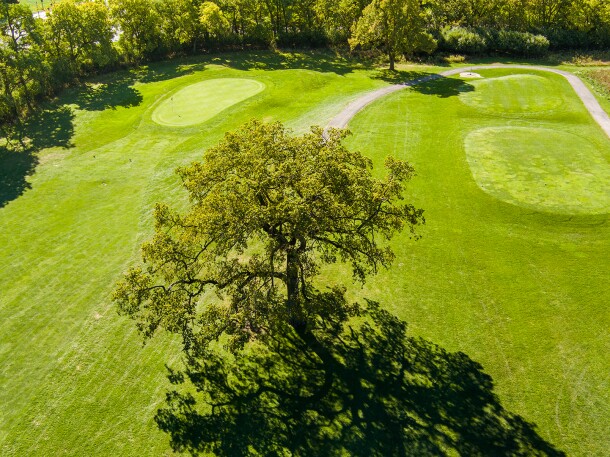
600 116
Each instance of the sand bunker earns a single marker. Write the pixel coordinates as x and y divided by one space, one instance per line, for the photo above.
470 74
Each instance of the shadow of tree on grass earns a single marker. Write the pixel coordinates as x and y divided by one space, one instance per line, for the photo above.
426 83
383 394
321 61
443 87
19 155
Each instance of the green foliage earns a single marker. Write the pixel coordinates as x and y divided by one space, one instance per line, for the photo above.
213 20
395 26
268 210
463 40
23 70
337 17
79 37
518 43
179 26
140 28
479 41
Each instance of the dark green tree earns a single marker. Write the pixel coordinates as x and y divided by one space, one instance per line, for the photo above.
79 38
23 69
394 26
140 28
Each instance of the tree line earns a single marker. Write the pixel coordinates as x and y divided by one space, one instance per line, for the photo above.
40 56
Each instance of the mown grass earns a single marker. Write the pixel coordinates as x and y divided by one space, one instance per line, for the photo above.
519 290
73 378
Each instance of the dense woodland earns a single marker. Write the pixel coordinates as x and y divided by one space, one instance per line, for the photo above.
38 56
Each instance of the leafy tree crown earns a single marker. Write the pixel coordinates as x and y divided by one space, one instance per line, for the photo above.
267 210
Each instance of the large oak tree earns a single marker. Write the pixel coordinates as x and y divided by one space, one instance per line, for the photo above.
267 210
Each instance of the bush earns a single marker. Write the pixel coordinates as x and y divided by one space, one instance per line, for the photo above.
462 40
562 39
305 39
478 41
518 43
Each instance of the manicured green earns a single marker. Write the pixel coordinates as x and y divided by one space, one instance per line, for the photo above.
202 101
519 95
540 168
521 289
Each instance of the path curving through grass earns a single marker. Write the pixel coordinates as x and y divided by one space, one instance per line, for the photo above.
588 99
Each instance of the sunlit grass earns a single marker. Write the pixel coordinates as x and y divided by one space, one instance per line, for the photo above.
521 290
519 287
73 377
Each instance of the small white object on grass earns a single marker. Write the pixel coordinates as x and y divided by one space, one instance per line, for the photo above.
469 74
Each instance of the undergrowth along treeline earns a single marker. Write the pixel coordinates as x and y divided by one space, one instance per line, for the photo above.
38 56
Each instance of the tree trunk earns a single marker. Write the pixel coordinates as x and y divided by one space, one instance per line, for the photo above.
391 56
293 303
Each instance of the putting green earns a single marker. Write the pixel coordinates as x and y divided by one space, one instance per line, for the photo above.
516 165
202 101
513 94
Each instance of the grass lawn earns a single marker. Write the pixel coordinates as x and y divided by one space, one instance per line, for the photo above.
510 273
74 379
518 284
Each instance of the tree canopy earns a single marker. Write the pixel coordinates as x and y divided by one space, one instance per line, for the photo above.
268 209
396 26
78 39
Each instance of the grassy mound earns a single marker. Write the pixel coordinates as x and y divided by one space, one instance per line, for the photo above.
541 169
521 94
202 101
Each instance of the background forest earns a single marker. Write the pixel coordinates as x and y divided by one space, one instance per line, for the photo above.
65 41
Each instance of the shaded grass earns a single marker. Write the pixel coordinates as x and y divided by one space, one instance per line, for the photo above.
376 393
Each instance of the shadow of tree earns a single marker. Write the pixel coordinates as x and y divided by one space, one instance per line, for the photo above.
110 91
426 82
401 76
321 61
19 155
380 393
101 96
443 87
15 167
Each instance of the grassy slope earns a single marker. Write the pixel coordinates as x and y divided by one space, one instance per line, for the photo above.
73 378
523 292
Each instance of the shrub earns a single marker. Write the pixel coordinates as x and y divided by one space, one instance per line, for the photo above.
462 40
518 43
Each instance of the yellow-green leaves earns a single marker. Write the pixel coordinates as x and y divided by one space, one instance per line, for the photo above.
267 210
